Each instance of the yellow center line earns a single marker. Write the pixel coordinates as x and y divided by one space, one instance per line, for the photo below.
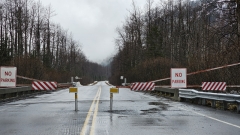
95 114
89 114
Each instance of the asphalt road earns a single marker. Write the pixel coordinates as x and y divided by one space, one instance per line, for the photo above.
134 113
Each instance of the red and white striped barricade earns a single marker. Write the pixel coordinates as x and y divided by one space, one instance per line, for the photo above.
38 85
214 86
143 86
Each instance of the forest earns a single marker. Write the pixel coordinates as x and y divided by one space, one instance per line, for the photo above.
39 48
196 35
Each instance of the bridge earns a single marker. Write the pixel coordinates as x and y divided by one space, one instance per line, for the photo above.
132 113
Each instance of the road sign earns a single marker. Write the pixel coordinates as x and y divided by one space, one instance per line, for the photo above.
73 90
114 90
8 76
178 77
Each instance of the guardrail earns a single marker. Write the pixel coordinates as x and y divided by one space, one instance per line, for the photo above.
108 83
174 93
14 92
201 97
64 85
6 93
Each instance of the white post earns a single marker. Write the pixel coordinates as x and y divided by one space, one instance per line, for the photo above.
71 79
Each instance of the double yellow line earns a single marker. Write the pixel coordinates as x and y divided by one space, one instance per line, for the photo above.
94 104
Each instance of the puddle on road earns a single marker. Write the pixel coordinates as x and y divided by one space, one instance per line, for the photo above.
147 122
160 107
123 112
20 105
163 106
122 116
152 110
156 103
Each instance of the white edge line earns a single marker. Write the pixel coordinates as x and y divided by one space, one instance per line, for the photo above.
211 118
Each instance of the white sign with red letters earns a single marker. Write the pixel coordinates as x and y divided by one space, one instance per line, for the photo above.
8 76
178 77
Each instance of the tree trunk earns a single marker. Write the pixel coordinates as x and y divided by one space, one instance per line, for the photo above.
238 16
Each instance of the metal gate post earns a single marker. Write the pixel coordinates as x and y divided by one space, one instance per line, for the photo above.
111 101
76 102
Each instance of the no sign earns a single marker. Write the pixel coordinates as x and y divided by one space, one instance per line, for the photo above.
8 76
178 77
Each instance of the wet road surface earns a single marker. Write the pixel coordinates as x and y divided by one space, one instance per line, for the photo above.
134 113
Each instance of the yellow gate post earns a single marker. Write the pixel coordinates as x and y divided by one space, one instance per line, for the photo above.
112 90
74 90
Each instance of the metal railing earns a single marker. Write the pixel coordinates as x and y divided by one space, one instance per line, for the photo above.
6 93
203 96
191 94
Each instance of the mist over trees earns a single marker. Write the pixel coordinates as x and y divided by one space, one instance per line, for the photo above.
188 34
39 48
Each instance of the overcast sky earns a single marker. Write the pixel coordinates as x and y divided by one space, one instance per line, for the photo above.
93 22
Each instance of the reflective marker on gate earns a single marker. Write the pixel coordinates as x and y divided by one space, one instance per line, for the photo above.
73 90
114 90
